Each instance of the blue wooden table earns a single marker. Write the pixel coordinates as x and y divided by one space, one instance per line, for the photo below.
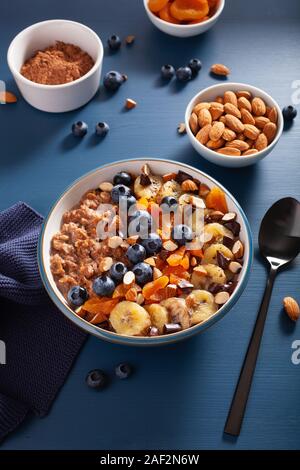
179 395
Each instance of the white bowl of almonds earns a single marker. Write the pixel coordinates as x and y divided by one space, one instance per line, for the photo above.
233 124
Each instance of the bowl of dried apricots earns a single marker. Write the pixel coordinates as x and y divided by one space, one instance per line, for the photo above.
145 252
184 18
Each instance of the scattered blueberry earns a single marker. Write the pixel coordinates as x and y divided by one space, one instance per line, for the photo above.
114 42
167 72
120 190
104 286
195 65
102 128
182 234
139 221
152 244
79 128
136 253
183 74
289 113
143 273
113 80
123 370
122 178
169 201
77 296
96 379
117 271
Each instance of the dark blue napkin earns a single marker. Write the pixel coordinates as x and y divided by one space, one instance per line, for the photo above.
41 344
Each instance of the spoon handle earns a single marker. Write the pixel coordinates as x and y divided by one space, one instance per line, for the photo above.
238 405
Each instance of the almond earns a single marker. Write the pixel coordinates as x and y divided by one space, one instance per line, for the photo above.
140 299
219 99
106 186
229 151
235 267
200 106
169 177
244 94
7 97
169 245
292 308
247 117
193 122
216 110
131 294
250 152
130 104
114 242
230 97
129 278
222 297
273 115
171 291
189 185
181 129
156 273
203 190
220 69
261 142
261 121
251 131
270 130
243 103
215 144
240 136
204 117
238 144
106 263
216 131
228 135
222 119
203 134
230 108
234 123
238 249
150 261
258 106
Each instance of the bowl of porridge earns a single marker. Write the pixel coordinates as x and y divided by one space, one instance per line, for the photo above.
145 252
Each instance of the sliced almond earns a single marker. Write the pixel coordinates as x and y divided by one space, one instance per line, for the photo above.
131 295
140 299
106 186
130 103
238 249
181 129
171 291
132 240
193 261
106 263
258 106
197 202
229 217
115 241
235 267
129 278
156 273
221 298
150 261
200 271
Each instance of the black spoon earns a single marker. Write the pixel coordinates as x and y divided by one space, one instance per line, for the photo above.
279 243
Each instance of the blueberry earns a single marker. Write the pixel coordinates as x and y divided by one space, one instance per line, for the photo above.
117 271
113 80
195 65
96 379
139 221
167 72
136 253
143 273
169 201
123 370
104 286
79 128
289 113
183 74
120 190
122 178
152 244
182 234
131 200
77 296
114 42
101 129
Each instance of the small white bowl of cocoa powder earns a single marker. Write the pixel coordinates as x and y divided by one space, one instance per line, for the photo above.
56 64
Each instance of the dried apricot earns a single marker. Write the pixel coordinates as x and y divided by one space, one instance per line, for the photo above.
165 15
152 287
178 271
216 200
99 305
142 203
156 5
175 258
185 262
185 10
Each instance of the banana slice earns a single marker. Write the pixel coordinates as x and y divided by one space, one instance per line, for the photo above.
130 319
177 311
170 188
159 316
149 191
215 274
217 231
210 254
201 305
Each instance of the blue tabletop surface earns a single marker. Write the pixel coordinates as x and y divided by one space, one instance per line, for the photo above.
180 394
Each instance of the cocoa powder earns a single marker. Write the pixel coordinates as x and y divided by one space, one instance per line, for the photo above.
57 64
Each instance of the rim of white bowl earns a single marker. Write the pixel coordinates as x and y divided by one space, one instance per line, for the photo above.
242 86
62 85
186 26
145 340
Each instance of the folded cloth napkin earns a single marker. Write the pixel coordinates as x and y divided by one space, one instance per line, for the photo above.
41 344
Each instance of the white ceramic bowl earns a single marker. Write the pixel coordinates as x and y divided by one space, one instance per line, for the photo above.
209 94
56 98
92 180
184 30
